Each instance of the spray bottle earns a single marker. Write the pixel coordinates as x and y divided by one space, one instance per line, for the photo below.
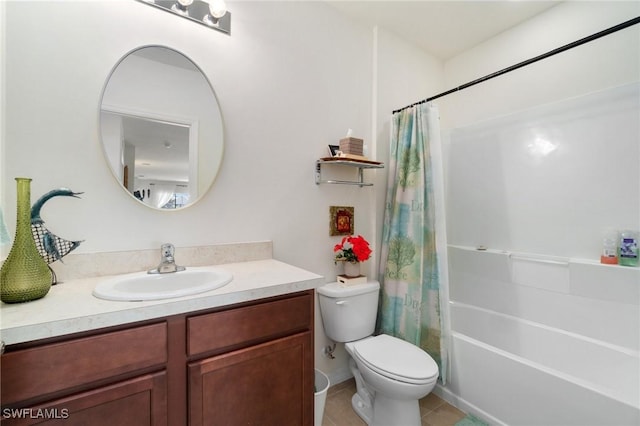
609 255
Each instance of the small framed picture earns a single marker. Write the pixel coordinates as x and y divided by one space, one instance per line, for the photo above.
333 150
341 220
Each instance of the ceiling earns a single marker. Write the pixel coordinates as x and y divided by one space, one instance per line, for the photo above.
443 28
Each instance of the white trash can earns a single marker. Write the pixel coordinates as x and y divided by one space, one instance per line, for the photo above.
321 388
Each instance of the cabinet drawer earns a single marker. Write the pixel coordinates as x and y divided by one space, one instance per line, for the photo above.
55 367
250 324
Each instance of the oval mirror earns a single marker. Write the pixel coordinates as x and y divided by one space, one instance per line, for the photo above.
161 128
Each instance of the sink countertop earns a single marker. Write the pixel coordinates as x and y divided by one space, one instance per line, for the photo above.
70 307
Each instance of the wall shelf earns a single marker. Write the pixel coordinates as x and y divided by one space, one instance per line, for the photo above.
338 161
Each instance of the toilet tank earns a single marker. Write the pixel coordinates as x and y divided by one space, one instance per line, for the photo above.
348 311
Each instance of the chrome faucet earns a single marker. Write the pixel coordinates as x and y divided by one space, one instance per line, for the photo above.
167 262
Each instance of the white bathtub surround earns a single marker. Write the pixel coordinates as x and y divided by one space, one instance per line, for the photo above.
570 346
70 307
548 272
542 333
505 192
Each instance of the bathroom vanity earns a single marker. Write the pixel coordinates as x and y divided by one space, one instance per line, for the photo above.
242 354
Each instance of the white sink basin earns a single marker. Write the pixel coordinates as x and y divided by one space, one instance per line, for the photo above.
142 286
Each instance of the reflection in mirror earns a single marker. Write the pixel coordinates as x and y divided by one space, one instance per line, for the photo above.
161 128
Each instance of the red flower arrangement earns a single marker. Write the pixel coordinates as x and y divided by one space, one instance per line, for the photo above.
352 249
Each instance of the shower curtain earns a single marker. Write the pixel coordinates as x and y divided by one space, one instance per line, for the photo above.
410 306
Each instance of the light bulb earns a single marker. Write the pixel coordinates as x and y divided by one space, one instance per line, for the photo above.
181 7
217 8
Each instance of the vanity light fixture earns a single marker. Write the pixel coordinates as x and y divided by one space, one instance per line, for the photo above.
211 13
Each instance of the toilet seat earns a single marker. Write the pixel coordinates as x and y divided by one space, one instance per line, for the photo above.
396 359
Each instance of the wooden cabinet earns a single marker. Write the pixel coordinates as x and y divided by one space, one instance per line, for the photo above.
263 373
261 385
250 363
134 402
84 378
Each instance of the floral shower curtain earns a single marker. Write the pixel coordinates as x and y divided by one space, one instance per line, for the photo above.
409 272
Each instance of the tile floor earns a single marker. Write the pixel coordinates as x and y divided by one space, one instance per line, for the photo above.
338 411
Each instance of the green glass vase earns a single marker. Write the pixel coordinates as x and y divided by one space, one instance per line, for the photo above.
25 275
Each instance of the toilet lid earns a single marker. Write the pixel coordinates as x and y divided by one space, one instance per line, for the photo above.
396 359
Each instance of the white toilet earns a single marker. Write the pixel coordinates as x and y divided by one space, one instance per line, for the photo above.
391 374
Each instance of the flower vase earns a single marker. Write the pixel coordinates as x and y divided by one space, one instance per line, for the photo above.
25 275
352 269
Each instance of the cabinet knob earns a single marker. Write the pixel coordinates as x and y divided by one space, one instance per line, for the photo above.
1 347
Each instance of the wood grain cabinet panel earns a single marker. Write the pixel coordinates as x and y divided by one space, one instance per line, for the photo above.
270 384
248 364
141 401
54 367
230 329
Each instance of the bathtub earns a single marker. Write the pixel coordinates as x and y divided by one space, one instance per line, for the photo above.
543 343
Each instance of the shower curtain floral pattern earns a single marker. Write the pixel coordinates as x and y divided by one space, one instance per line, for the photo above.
410 299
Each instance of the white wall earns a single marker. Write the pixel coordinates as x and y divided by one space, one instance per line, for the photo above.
3 186
291 79
404 74
594 66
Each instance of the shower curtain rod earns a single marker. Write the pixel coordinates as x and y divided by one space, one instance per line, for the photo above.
561 49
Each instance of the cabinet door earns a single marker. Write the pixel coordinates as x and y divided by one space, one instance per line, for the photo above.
266 384
136 402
